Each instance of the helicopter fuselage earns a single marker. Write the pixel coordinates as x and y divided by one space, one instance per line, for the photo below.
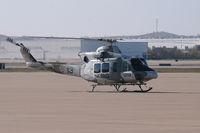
116 70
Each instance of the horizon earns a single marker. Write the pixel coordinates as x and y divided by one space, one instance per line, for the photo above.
107 36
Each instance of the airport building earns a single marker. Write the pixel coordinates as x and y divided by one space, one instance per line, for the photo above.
54 49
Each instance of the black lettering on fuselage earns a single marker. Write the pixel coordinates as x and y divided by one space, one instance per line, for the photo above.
102 75
127 75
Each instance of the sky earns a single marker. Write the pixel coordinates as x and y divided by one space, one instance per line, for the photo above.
81 18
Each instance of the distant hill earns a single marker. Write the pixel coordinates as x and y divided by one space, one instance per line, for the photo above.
153 35
156 35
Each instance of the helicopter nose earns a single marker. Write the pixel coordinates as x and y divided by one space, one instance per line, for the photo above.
152 75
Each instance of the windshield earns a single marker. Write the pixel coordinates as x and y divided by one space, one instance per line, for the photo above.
139 65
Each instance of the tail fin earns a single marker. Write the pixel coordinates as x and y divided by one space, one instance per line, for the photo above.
30 60
26 54
24 51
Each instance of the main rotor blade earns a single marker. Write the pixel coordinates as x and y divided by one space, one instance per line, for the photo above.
51 37
75 38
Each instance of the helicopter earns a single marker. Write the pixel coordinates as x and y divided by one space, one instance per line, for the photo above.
106 66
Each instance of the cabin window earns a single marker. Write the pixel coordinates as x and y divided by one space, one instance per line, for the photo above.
115 67
105 67
97 68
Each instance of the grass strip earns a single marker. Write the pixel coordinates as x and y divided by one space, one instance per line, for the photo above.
177 70
159 70
22 70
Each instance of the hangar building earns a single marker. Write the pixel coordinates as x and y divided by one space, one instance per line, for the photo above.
52 49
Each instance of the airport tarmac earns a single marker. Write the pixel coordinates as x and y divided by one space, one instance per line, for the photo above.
44 102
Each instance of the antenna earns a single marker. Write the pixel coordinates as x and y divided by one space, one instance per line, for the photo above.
157 24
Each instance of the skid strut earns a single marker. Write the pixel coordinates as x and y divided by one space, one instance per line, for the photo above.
93 87
117 87
142 90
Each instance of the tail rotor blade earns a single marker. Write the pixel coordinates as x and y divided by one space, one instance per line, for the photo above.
12 41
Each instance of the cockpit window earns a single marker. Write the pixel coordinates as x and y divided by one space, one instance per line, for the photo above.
116 49
105 67
125 66
129 67
140 65
143 61
97 68
115 67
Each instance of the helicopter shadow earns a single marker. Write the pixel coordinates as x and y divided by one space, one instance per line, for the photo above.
137 92
153 92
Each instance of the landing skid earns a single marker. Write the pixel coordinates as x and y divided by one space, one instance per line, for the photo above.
117 87
139 91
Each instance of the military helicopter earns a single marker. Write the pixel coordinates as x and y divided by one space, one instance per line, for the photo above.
106 66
